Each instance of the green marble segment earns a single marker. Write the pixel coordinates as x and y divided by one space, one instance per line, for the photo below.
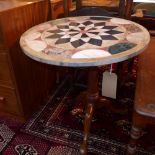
121 47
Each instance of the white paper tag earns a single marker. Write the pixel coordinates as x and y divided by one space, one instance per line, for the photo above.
109 85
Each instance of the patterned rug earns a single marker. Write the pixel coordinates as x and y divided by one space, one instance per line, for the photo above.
57 129
57 122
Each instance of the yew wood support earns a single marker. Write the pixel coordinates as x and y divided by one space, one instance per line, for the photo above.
92 98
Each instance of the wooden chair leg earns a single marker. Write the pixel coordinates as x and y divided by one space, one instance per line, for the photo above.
139 123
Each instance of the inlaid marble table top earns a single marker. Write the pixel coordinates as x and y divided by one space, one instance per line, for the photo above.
84 41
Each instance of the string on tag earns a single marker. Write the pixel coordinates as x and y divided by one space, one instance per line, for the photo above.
111 68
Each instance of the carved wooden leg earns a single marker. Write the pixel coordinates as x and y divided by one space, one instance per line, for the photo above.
135 135
92 98
87 123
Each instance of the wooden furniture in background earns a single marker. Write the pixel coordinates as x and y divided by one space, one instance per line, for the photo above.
24 83
113 5
128 9
106 3
144 107
146 22
57 9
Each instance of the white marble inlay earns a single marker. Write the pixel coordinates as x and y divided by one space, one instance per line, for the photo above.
120 21
99 27
91 35
66 36
89 27
90 53
96 37
78 36
85 39
81 25
136 37
62 33
36 45
74 39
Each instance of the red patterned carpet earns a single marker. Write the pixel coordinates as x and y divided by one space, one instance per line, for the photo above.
57 130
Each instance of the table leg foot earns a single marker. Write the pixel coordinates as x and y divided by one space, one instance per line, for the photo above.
81 103
83 149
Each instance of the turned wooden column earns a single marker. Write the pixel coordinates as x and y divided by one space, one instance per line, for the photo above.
128 9
66 8
92 98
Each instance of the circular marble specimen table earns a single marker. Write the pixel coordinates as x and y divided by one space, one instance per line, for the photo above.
85 42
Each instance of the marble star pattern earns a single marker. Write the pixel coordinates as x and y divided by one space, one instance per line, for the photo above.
81 33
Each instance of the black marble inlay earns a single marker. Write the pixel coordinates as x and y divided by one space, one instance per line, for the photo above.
121 47
94 32
72 30
62 40
73 24
100 24
74 34
108 37
87 23
109 27
77 43
84 36
54 36
113 32
82 28
100 18
96 42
